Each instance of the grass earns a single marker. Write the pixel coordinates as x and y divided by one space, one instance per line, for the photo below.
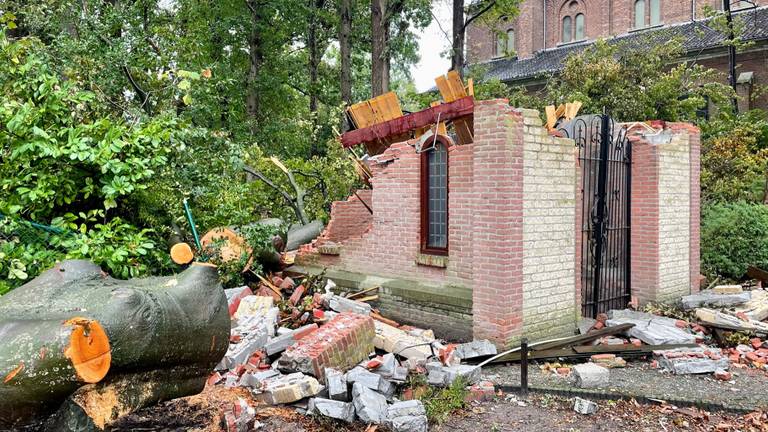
440 403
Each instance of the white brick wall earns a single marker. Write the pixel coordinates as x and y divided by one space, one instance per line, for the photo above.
549 220
674 218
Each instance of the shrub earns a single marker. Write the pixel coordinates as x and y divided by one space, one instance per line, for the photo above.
733 237
733 168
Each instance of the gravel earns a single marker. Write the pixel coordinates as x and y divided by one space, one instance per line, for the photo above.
745 392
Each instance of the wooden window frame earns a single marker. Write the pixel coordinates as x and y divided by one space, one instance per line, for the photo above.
424 192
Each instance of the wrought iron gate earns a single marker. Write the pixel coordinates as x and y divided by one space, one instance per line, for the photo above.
604 155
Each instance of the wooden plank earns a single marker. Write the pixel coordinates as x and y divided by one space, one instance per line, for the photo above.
445 88
470 87
551 116
456 85
449 111
577 340
584 352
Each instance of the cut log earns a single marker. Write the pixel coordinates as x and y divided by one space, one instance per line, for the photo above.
181 253
151 323
226 242
96 406
45 359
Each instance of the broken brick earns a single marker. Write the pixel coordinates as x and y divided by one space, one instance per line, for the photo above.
287 284
723 375
483 391
756 343
298 293
341 343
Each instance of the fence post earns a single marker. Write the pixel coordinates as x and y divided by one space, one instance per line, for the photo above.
524 367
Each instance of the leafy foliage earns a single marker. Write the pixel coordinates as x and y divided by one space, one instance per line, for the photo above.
734 167
733 237
636 84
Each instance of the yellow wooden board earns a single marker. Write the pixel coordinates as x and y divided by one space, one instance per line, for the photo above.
377 110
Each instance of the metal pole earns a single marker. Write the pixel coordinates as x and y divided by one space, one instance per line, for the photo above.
524 367
600 202
192 224
731 53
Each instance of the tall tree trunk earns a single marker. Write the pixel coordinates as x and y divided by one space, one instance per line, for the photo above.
256 58
379 57
345 31
314 64
457 47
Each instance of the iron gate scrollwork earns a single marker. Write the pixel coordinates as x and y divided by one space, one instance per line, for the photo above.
605 159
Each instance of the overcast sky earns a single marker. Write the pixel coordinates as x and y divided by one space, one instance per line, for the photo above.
432 43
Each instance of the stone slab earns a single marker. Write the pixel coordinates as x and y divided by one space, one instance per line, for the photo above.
590 375
344 411
370 406
714 299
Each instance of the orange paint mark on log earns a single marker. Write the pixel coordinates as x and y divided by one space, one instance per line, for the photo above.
213 342
43 351
13 373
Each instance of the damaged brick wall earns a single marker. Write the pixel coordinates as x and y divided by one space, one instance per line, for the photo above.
491 283
513 263
349 219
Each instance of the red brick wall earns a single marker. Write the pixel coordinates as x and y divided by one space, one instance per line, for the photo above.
645 220
350 218
498 216
603 18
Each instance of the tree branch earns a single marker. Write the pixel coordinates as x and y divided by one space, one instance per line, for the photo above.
482 11
142 94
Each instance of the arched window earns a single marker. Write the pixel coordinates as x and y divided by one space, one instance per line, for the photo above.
655 12
510 41
579 33
639 13
434 199
505 43
567 34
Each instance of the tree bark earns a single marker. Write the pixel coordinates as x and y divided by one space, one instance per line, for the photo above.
96 406
256 58
44 360
151 323
345 46
379 57
459 30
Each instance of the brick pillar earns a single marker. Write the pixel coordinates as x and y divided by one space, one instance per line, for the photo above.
644 243
497 247
665 213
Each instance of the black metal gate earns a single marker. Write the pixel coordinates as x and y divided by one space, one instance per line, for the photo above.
604 155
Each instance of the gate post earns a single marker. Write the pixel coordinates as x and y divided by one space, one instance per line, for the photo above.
665 209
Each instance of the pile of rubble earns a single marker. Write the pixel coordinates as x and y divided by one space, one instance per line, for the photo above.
696 346
333 356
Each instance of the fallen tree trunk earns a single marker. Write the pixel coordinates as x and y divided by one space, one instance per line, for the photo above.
151 323
95 406
41 360
303 234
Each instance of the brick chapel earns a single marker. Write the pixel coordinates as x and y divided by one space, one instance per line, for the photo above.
525 50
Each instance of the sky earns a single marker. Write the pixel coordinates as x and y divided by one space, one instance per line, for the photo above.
433 42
